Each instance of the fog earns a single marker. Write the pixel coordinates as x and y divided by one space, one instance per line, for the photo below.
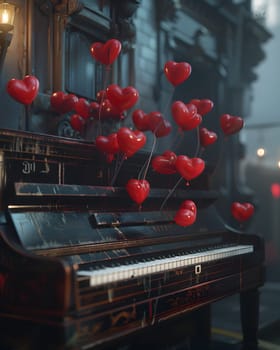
264 118
262 130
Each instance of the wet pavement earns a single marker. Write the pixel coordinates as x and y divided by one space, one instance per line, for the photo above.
226 326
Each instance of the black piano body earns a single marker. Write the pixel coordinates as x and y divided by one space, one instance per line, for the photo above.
80 260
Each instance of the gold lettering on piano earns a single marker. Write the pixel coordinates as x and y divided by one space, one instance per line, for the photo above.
123 317
190 297
47 167
21 145
28 167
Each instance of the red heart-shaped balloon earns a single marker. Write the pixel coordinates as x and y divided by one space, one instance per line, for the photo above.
140 120
25 90
83 108
106 111
62 102
108 144
94 110
138 190
163 128
106 53
153 121
158 125
186 215
177 72
189 168
130 141
207 137
185 115
188 204
101 96
242 211
77 122
231 124
122 99
165 163
203 106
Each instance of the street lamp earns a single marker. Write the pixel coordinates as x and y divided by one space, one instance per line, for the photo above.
7 15
261 152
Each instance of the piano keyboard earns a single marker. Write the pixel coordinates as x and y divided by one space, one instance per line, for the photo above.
119 273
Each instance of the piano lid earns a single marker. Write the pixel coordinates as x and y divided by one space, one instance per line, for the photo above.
47 227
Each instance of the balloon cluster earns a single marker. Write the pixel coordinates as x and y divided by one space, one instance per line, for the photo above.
114 102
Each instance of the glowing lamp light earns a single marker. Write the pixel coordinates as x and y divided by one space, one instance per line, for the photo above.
275 190
7 15
261 152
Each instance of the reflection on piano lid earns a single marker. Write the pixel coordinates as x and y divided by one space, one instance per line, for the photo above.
48 229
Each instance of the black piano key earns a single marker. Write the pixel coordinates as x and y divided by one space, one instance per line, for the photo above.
128 260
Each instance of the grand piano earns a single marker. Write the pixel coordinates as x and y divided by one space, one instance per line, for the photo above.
83 267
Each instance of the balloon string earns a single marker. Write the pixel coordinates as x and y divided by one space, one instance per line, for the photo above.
179 141
198 143
119 164
147 162
106 77
150 156
170 193
118 158
197 151
142 169
145 166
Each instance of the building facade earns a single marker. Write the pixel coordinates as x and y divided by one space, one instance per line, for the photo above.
221 40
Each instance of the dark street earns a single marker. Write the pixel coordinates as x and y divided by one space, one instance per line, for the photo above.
226 328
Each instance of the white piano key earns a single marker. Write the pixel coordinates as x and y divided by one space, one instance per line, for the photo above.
120 273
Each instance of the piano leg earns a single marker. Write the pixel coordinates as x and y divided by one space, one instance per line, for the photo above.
249 308
201 337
